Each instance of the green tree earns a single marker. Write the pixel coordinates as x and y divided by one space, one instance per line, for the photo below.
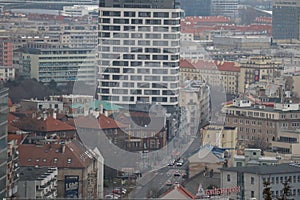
267 190
287 192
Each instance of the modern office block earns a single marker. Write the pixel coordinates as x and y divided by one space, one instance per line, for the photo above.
286 19
196 7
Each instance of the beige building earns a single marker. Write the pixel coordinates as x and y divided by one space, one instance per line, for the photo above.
257 69
258 125
220 136
287 142
194 97
214 73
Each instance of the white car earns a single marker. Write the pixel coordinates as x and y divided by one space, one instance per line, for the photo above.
112 196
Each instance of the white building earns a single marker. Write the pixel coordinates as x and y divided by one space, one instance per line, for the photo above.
37 182
79 10
36 104
139 52
7 73
251 179
61 65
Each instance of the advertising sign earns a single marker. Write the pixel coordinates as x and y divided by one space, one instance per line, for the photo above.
71 186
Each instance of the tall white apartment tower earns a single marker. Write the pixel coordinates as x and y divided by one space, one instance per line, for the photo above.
139 51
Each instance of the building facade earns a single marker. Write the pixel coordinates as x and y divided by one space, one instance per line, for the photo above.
3 139
228 8
251 179
12 169
259 125
139 51
196 7
257 69
61 65
38 182
286 20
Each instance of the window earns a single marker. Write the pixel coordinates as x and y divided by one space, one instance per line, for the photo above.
252 180
228 177
252 194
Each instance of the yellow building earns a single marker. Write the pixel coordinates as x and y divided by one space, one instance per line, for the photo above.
257 69
220 136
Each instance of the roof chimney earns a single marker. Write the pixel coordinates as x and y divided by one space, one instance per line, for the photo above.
63 148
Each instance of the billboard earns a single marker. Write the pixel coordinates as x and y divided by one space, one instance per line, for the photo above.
256 75
72 186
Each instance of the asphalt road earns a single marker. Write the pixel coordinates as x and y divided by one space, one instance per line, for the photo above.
153 182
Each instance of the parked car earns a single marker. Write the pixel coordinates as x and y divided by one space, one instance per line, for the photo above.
118 191
112 196
124 190
177 173
179 163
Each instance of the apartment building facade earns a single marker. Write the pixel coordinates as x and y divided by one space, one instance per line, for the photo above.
214 73
257 69
38 182
3 139
259 125
139 51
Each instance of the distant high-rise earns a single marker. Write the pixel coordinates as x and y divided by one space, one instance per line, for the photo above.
228 8
196 7
286 19
3 140
139 51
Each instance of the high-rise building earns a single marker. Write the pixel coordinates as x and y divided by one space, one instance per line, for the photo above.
286 19
196 7
228 8
3 139
139 51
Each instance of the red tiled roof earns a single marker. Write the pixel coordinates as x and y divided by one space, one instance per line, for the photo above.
12 119
181 190
227 66
102 122
18 137
48 125
75 155
10 103
209 64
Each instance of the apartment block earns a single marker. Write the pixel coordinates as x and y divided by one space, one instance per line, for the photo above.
257 69
215 73
80 171
12 169
3 139
38 182
259 124
7 73
139 52
195 100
